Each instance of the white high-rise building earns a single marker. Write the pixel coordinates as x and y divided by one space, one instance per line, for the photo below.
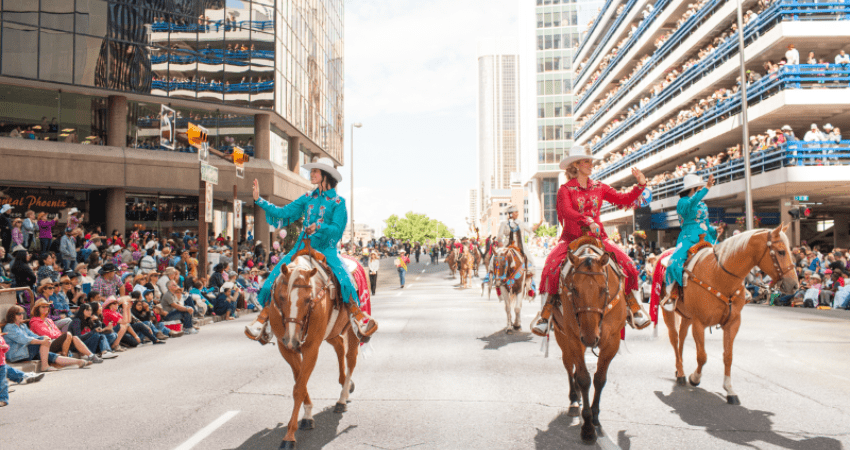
498 117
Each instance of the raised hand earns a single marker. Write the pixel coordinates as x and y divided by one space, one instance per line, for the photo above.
710 182
256 190
641 178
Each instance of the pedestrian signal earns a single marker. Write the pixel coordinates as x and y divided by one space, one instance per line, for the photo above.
800 212
197 135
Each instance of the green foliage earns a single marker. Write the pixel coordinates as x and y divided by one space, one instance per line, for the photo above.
547 231
415 228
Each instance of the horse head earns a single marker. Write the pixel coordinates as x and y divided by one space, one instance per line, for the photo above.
294 297
501 267
777 260
587 288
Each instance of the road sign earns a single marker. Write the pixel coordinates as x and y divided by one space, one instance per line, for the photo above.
237 214
167 119
239 159
208 208
204 152
197 135
209 173
801 198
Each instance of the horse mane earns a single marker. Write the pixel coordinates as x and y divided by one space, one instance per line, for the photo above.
738 243
303 262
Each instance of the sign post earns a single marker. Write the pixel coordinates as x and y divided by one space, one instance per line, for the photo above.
167 119
197 137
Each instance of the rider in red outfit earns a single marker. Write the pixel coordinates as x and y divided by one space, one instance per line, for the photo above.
578 205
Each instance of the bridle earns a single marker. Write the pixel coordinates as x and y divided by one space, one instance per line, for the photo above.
572 293
501 267
315 297
774 258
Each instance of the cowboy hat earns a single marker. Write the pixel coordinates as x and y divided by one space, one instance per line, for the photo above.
18 248
107 268
577 153
5 208
44 284
226 286
510 209
325 164
690 182
73 210
112 299
38 304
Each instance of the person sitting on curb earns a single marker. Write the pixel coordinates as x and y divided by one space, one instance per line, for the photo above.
225 303
42 325
7 371
24 345
172 305
141 312
83 327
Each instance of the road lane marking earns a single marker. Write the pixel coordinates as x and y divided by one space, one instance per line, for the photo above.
207 430
423 271
399 293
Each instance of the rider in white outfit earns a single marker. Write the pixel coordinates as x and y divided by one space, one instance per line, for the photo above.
518 233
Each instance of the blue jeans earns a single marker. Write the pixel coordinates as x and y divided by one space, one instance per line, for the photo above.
69 264
158 328
184 317
34 350
4 385
14 374
45 245
95 342
110 338
401 273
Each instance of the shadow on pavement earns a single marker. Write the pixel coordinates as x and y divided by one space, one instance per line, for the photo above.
325 432
500 339
735 424
563 432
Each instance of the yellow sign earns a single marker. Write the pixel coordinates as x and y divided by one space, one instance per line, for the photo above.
239 157
197 135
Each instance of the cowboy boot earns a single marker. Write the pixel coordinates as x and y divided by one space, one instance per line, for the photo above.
364 331
258 329
637 318
668 303
541 327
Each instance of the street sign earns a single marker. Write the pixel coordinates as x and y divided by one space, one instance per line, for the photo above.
197 135
167 119
801 198
208 208
239 159
209 173
204 152
237 214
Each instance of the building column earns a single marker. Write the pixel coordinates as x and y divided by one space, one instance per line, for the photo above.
116 124
841 230
294 153
261 227
661 235
262 131
116 204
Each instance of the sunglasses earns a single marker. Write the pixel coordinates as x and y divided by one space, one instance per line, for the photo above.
66 283
19 314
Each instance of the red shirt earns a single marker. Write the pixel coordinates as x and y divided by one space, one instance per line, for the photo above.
4 347
44 327
578 206
111 317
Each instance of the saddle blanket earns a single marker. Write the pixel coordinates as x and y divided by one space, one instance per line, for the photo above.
361 282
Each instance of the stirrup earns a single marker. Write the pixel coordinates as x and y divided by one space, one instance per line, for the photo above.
637 319
539 326
262 335
363 336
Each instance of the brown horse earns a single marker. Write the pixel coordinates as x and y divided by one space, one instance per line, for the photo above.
591 314
451 260
464 266
306 310
476 263
715 294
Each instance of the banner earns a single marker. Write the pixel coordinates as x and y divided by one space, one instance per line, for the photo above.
167 120
208 204
237 214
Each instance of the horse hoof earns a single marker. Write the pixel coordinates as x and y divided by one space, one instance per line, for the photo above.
509 331
574 411
680 381
588 436
518 327
351 388
733 400
691 380
307 424
288 445
340 408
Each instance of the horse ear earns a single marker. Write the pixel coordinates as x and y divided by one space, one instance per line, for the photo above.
604 259
309 274
284 270
573 258
778 229
785 226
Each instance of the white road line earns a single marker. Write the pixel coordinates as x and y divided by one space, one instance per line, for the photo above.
399 293
423 271
207 430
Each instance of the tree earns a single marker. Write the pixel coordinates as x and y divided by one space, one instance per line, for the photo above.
415 228
547 231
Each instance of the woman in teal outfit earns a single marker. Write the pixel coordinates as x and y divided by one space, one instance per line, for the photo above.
325 217
693 215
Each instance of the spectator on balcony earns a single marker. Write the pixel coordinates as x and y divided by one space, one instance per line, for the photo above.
811 59
814 134
792 56
842 58
788 133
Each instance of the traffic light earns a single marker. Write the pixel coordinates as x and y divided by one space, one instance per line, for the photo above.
197 135
800 212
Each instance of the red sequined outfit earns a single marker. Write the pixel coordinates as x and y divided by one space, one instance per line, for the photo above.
579 207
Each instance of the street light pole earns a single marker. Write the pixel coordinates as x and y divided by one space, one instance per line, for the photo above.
745 147
351 196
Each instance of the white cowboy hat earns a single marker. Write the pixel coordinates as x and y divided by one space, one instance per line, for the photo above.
511 208
577 153
5 208
226 286
73 210
325 164
690 182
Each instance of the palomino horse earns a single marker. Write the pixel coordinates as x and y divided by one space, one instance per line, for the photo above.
715 294
451 260
591 313
464 266
509 280
306 310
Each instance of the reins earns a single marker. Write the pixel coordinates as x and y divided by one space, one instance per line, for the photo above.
316 295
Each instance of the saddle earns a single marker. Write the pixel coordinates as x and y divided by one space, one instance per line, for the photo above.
308 250
697 247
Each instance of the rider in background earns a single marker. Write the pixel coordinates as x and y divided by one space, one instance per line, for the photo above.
515 232
693 215
325 217
578 205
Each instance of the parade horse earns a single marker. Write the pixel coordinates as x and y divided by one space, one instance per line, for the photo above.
305 310
509 278
464 266
451 260
714 293
591 312
476 263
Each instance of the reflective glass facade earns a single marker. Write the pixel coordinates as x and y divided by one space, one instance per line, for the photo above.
280 55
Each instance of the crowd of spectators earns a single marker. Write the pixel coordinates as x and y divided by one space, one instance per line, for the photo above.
824 281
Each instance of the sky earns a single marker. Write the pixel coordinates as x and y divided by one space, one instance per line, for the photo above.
411 80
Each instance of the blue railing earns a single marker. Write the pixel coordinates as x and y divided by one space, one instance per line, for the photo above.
260 25
788 77
671 44
211 122
777 12
592 29
607 36
219 57
797 153
252 88
658 8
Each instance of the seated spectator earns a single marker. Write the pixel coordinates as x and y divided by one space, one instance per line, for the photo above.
83 328
24 345
122 318
45 291
141 313
46 268
107 283
61 343
69 286
172 305
158 317
201 303
224 304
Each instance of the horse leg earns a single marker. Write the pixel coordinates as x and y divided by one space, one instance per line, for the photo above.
508 299
518 312
588 431
567 357
702 357
670 320
294 360
729 333
607 352
684 324
309 355
353 346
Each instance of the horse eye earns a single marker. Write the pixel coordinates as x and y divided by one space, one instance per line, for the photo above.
781 252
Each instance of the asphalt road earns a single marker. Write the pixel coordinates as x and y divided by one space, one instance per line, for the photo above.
441 374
